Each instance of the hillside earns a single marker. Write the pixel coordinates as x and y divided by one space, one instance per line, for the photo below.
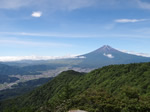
22 88
115 88
10 70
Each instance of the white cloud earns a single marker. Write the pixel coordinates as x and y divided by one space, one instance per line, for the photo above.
108 55
135 53
142 4
79 56
19 58
36 14
129 20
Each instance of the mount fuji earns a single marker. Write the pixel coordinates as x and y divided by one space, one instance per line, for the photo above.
107 55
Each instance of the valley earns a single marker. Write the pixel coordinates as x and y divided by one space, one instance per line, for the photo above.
45 74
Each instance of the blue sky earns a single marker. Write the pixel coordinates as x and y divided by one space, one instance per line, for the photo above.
64 27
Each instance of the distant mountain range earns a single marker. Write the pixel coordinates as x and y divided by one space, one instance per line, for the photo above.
103 56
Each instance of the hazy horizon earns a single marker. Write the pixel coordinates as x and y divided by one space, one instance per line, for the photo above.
34 57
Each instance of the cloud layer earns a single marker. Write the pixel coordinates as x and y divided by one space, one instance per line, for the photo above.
129 20
72 4
135 53
20 58
50 4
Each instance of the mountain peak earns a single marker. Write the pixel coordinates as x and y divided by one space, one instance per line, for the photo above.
105 48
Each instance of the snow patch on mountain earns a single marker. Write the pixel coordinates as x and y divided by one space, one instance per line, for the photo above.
108 55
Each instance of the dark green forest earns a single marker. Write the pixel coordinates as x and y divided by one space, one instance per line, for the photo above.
114 88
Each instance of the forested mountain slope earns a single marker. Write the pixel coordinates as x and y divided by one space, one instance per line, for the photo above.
114 88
